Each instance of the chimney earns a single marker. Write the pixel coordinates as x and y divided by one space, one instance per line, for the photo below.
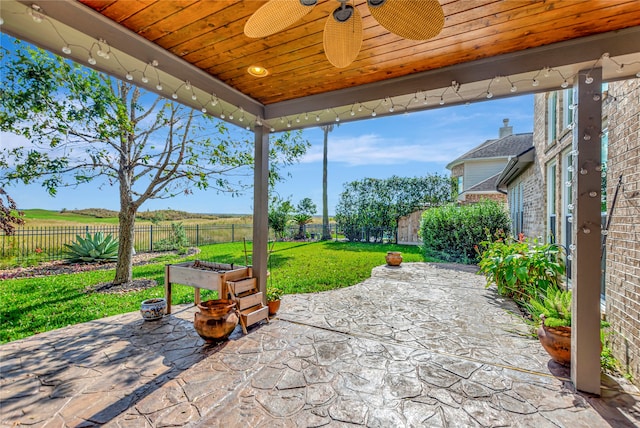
506 130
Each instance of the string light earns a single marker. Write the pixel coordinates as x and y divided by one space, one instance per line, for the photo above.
392 104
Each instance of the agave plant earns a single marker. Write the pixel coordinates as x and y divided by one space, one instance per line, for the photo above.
96 248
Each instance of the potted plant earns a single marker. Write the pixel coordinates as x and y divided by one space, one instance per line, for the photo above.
274 294
553 309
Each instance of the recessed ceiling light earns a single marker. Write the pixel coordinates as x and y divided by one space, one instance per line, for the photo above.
257 71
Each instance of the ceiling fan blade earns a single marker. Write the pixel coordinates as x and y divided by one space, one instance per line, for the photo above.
342 36
275 16
409 19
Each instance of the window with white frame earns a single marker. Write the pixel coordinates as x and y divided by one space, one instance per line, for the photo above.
551 202
460 184
552 104
567 108
516 208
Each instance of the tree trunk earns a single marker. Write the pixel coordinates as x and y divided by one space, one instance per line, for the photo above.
127 219
326 234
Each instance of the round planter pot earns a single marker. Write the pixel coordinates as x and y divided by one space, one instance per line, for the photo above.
153 309
393 258
274 307
216 320
557 342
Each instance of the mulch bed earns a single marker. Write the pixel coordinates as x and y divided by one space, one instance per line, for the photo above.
60 267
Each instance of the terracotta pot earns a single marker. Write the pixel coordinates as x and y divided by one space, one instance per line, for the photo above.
394 258
274 307
216 320
153 309
557 342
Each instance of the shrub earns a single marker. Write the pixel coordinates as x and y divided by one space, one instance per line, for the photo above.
451 232
521 269
177 239
96 248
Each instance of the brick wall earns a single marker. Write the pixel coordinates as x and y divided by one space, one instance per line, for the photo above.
623 241
471 198
532 180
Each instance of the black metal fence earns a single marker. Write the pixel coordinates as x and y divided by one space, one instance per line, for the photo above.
47 243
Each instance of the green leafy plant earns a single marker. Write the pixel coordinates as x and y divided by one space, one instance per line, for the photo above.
96 248
273 293
520 268
177 239
554 307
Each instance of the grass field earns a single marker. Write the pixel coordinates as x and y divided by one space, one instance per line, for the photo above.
97 216
35 305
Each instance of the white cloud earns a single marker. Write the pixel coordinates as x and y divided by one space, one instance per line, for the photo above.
373 149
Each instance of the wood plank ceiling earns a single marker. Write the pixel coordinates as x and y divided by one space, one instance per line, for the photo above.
209 35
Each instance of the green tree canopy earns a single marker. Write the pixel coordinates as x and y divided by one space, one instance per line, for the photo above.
86 127
371 207
303 215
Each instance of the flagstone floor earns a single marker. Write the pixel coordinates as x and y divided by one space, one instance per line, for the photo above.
416 346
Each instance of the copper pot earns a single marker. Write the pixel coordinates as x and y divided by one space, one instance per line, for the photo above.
394 258
216 320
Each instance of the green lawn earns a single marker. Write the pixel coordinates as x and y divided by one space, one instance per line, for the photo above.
35 305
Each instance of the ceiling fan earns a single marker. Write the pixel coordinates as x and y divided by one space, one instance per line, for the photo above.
342 37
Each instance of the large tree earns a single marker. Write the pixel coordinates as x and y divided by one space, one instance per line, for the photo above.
10 217
325 205
84 126
373 206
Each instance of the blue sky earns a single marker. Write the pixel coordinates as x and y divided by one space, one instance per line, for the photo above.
406 145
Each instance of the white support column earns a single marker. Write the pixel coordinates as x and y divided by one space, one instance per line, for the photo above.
260 208
585 337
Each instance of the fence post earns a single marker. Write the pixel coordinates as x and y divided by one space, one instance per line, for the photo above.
151 238
197 235
233 233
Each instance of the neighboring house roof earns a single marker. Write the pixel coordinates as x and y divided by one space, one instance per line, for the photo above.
485 186
504 147
515 167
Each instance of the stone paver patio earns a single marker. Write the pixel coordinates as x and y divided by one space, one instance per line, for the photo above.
414 346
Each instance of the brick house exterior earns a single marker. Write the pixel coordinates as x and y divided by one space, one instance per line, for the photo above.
622 278
479 168
540 188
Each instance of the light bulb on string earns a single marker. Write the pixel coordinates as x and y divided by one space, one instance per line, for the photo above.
144 79
193 96
513 88
272 129
222 115
489 94
66 50
231 116
159 86
588 80
317 118
298 119
1 21
564 84
91 60
586 137
441 101
203 109
174 96
374 114
535 82
128 76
